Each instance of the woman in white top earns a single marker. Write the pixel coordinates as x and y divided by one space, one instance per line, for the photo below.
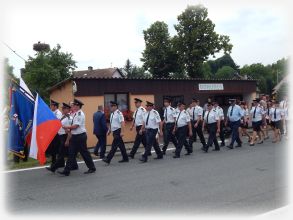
257 115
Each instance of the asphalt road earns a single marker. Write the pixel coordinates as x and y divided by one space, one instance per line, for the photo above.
246 181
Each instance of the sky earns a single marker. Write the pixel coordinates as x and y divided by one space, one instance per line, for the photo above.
106 33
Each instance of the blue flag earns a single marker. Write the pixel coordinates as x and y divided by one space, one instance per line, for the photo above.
21 118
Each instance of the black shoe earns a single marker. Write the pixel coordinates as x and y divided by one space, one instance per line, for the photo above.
90 171
215 149
230 146
142 159
74 168
188 153
163 152
131 156
260 142
251 144
96 153
204 149
176 156
158 157
239 145
106 161
222 144
123 161
102 157
50 169
65 173
150 154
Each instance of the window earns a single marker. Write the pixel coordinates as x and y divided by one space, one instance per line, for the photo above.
121 98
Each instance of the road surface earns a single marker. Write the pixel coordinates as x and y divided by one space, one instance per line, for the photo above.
246 181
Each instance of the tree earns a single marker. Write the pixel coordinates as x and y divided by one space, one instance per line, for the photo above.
225 72
196 39
8 75
47 68
134 71
225 60
158 57
128 66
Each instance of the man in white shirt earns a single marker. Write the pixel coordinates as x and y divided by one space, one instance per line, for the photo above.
168 125
117 126
152 124
276 118
137 123
212 122
257 115
78 141
220 113
182 125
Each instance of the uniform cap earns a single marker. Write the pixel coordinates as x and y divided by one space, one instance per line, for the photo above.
113 103
232 100
181 103
77 102
167 99
64 105
149 103
52 102
194 99
137 100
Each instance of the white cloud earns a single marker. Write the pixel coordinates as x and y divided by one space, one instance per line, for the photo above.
99 33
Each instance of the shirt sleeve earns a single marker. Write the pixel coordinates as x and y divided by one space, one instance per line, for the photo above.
200 111
121 117
77 120
187 117
157 117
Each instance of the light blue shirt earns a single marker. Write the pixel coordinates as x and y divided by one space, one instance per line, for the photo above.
237 113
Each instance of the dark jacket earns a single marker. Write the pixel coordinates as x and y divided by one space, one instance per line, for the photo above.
100 125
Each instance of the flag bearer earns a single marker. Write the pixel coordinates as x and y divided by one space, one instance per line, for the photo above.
168 124
138 122
117 125
182 126
77 142
54 145
151 126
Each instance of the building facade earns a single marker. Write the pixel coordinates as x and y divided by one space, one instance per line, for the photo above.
98 88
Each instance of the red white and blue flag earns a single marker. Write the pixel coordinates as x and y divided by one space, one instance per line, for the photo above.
45 127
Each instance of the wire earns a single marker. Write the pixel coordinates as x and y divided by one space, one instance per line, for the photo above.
13 51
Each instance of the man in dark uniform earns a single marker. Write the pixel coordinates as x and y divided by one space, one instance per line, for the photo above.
117 126
138 122
152 124
78 141
168 125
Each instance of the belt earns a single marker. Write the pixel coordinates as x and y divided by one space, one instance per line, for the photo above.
75 135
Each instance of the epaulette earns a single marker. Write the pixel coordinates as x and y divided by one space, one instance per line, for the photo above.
172 108
79 113
156 112
141 108
214 110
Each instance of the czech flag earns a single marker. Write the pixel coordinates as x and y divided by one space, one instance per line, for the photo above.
45 127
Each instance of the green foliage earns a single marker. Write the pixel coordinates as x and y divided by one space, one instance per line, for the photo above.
225 60
159 58
196 39
225 72
48 68
134 71
8 76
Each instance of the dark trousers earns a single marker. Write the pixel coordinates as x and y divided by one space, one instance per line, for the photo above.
62 153
53 148
101 144
181 137
212 130
198 131
77 144
139 138
117 143
222 137
169 136
151 142
234 125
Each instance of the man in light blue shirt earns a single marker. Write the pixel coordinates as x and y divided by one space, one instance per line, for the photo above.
234 114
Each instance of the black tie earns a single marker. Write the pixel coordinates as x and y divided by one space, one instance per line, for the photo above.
178 118
275 113
166 118
135 114
231 111
254 111
208 117
147 121
193 113
268 111
111 120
